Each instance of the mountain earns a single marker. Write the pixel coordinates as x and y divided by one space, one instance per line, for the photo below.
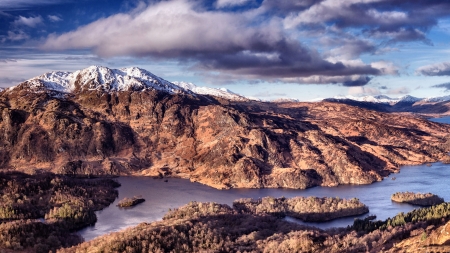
101 78
284 100
380 99
432 106
99 121
222 92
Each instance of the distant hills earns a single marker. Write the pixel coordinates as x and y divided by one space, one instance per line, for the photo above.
431 105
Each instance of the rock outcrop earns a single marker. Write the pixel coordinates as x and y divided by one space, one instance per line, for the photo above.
211 140
303 208
420 199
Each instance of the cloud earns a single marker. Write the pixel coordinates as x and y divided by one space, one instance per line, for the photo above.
4 14
437 69
349 48
228 42
386 67
23 4
446 86
84 58
363 90
400 35
398 91
231 3
7 82
358 82
15 36
269 94
7 60
54 18
393 20
30 22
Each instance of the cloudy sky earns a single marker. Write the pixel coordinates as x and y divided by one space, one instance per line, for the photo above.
269 49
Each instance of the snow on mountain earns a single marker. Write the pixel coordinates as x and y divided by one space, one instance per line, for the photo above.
221 92
381 99
436 99
102 78
284 100
408 99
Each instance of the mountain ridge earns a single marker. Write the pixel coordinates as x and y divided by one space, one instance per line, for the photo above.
428 107
218 142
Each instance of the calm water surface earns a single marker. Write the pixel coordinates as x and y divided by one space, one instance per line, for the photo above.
160 196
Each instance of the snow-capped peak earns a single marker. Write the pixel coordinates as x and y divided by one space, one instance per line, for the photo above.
408 99
221 92
102 78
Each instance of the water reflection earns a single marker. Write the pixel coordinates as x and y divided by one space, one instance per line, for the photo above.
160 196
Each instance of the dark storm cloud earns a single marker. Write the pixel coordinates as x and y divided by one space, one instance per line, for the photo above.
348 48
284 59
396 20
446 86
438 69
400 35
358 82
217 41
262 43
288 6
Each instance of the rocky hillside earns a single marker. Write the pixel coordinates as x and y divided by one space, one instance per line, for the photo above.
94 125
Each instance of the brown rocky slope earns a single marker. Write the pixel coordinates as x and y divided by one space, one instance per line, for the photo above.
214 141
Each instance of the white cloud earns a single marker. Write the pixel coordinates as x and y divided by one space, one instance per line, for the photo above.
54 18
399 91
30 22
15 36
437 69
161 29
363 90
386 68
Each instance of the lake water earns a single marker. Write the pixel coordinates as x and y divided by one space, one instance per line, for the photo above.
160 196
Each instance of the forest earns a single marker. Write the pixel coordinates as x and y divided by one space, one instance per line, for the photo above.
304 208
212 227
40 212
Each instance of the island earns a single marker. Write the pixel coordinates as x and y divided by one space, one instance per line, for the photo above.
127 202
420 199
304 208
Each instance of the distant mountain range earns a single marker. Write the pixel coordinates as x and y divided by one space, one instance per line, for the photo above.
383 99
428 106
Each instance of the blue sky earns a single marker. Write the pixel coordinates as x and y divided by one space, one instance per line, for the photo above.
268 49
